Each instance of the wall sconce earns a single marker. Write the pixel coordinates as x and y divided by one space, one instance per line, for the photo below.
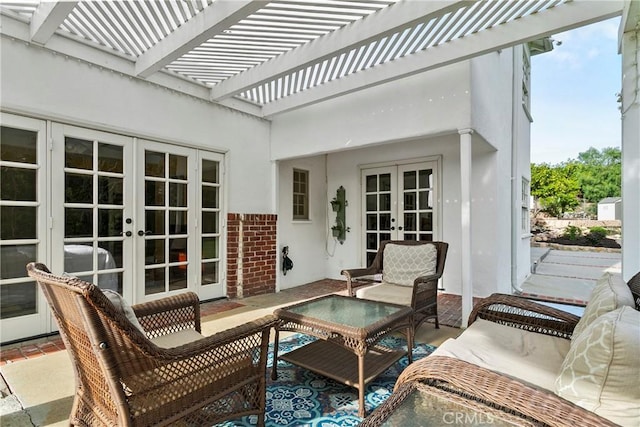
339 206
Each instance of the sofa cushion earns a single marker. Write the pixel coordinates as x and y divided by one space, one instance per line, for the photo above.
176 339
404 263
529 356
602 369
387 292
610 293
123 306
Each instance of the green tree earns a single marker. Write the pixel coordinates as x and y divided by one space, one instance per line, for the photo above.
599 173
555 187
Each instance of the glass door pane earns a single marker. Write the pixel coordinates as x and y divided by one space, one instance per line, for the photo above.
417 194
178 244
94 209
18 220
23 311
165 226
379 208
211 252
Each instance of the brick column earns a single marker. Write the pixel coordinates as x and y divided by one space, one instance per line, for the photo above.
251 254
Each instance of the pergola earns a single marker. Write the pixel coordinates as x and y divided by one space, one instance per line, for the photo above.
265 58
281 55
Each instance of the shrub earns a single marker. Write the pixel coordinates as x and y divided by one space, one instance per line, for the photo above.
596 234
572 232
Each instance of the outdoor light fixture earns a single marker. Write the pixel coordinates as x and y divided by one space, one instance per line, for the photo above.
339 206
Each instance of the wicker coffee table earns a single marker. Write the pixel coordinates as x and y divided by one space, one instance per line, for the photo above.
348 330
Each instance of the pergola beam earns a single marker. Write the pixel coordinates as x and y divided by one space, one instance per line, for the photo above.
558 19
378 25
47 18
630 20
213 20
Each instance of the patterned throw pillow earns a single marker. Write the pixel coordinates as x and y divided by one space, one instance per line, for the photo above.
123 306
404 263
602 368
609 293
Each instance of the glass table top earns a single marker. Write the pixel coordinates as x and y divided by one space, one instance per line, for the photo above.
352 312
421 409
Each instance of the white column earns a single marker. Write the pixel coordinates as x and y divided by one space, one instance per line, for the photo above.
630 154
465 223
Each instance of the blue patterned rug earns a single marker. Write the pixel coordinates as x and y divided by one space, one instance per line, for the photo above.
300 397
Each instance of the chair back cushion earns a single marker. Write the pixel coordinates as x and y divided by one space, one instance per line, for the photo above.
404 263
123 306
602 368
609 294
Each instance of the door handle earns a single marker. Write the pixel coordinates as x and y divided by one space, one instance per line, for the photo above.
144 233
393 228
400 228
127 233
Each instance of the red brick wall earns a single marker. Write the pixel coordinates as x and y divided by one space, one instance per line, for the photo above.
251 254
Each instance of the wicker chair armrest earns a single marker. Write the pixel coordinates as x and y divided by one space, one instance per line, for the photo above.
234 336
427 279
170 314
210 366
354 273
496 390
525 314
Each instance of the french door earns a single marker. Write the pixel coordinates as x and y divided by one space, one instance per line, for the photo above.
92 207
399 203
179 228
23 225
139 217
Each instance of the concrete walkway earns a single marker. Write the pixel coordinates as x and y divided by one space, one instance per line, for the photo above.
568 275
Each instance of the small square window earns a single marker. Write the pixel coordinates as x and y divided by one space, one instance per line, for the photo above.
300 194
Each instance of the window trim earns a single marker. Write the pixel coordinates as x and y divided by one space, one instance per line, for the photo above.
525 227
305 195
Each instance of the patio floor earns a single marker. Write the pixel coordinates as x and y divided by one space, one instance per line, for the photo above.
560 276
27 400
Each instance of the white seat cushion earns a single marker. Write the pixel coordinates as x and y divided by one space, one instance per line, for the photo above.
529 356
610 293
404 263
602 369
176 339
387 292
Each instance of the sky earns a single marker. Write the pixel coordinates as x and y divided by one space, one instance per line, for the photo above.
574 94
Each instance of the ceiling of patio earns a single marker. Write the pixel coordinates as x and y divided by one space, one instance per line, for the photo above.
280 55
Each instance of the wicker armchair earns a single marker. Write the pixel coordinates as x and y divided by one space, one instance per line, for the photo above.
424 295
124 379
487 391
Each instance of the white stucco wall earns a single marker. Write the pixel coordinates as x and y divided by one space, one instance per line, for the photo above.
414 118
425 104
501 120
37 83
304 238
345 169
409 119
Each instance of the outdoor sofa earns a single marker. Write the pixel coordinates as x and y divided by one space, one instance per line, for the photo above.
524 361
